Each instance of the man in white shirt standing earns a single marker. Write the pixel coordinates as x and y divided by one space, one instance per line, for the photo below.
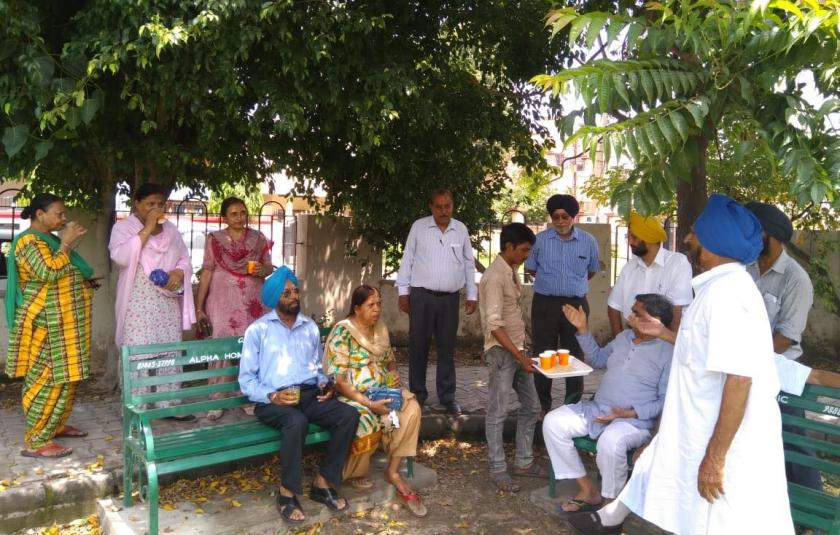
437 263
716 466
652 270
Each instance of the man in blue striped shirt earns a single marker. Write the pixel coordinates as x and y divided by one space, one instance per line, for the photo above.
437 262
563 260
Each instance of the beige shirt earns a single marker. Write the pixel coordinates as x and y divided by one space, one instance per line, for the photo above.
498 304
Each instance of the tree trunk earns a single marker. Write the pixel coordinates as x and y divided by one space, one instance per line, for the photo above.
109 379
691 193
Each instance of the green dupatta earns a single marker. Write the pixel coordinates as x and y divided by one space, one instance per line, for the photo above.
14 297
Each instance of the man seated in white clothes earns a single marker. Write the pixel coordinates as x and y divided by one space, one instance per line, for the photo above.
624 410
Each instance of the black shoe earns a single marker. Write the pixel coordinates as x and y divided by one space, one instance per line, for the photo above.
182 418
453 408
590 524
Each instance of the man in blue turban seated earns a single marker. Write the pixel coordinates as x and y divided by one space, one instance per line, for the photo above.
716 466
281 372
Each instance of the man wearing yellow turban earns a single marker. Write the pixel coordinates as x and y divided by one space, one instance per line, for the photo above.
653 269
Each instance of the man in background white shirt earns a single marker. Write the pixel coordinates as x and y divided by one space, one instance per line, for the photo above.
437 262
653 269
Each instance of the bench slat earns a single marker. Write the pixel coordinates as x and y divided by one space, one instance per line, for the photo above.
185 393
232 371
822 465
812 443
809 405
813 425
250 428
191 408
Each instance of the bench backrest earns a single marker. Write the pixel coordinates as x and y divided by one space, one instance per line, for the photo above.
194 387
821 434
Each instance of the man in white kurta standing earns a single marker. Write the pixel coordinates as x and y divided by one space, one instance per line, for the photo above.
716 466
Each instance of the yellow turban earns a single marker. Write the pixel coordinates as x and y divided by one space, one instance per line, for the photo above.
647 229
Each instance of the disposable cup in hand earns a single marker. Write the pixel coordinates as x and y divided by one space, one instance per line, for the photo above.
161 220
563 357
252 266
547 360
295 390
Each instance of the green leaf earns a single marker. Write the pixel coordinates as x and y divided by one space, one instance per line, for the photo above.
42 148
656 139
644 144
578 26
679 124
786 6
72 116
597 21
89 109
818 191
613 30
14 138
618 83
696 112
668 132
632 147
634 30
604 92
743 148
647 85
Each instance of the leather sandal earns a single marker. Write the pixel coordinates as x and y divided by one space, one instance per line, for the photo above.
53 450
286 505
359 482
215 414
328 496
72 432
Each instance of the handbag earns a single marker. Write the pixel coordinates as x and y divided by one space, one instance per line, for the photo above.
376 393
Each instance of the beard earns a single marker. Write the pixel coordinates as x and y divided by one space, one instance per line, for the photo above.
289 310
640 249
766 245
693 254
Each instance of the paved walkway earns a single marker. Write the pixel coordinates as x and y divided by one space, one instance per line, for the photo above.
37 492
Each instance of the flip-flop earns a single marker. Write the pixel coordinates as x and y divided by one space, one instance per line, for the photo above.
328 496
52 450
286 505
535 469
72 432
583 507
412 501
359 482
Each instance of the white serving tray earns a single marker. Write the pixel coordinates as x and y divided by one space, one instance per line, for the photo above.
576 368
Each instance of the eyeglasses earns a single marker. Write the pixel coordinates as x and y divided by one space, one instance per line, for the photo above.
290 292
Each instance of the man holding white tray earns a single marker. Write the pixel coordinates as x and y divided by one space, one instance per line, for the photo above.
625 407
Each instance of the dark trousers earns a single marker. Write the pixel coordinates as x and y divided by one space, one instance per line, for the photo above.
432 315
548 323
339 418
796 473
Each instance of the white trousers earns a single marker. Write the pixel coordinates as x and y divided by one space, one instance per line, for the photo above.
564 423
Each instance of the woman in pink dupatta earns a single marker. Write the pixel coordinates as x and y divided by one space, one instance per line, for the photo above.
149 314
228 293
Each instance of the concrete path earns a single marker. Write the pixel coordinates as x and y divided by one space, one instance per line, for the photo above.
36 492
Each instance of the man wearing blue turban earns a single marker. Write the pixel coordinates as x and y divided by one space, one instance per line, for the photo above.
281 372
716 465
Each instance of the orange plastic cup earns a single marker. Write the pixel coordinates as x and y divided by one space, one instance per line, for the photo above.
252 266
563 357
546 360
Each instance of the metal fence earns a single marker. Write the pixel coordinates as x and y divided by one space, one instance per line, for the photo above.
190 215
195 222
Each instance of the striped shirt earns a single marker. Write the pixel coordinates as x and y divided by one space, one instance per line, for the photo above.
562 267
438 261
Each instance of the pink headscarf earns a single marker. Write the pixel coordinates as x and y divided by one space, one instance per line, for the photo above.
164 251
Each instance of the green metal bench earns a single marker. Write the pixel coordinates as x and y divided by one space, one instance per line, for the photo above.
148 454
810 508
584 444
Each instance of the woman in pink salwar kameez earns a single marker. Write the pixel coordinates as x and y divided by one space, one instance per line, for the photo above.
228 291
146 313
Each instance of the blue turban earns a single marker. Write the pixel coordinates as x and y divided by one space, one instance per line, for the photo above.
728 229
275 284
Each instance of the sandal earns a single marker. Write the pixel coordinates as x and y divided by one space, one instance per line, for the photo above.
534 469
53 450
286 505
504 482
248 409
215 414
359 482
328 496
72 432
582 507
412 501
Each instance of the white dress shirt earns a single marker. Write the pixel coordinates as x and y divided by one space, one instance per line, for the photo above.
438 261
668 275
